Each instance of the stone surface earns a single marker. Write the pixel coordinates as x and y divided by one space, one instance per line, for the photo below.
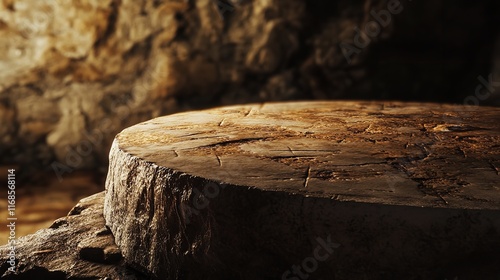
77 246
74 73
395 190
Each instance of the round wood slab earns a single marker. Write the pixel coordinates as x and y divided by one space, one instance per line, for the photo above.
251 189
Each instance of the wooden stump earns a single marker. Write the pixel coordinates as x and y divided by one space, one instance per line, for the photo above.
320 189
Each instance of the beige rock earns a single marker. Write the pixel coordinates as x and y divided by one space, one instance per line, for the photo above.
160 57
7 120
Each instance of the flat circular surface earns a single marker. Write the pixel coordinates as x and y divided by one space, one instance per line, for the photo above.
412 154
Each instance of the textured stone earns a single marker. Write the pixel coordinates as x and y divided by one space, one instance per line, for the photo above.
397 190
7 119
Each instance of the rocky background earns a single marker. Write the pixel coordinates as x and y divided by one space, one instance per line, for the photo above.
73 73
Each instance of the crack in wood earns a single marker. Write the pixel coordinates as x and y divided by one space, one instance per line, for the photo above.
249 112
219 160
306 151
221 123
308 175
359 164
205 137
442 198
427 153
294 156
494 167
229 142
192 134
463 152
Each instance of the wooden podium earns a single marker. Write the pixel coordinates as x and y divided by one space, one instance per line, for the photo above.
306 189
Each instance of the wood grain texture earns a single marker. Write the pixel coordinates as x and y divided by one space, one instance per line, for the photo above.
402 154
247 190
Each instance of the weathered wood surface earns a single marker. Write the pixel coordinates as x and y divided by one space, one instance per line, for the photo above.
78 246
247 190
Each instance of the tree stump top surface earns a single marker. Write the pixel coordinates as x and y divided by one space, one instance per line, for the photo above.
424 155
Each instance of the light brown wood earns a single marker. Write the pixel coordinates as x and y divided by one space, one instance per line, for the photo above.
248 190
401 154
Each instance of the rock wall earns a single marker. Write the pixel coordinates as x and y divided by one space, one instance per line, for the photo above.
74 73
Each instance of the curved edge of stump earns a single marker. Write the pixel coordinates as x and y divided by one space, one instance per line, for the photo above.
174 225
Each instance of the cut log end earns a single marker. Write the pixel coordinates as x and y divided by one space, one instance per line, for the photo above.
228 190
402 154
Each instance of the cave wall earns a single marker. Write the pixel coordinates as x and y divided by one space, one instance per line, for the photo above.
74 73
